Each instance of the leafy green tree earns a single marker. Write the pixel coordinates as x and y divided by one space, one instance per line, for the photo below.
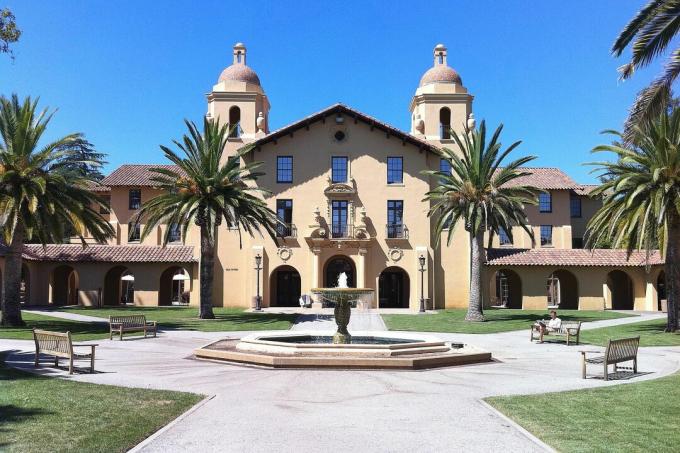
205 191
641 189
483 194
9 33
40 192
650 33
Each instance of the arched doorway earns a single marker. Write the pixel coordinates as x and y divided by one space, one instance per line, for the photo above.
65 283
508 289
336 266
119 286
621 289
562 290
393 288
25 287
285 287
174 287
661 290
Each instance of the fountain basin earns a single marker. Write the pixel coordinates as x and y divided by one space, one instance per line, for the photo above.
369 350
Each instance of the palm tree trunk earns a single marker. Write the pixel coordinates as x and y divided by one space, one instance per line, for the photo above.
672 271
11 302
475 310
207 275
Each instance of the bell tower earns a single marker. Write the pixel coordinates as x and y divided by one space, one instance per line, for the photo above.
441 102
239 99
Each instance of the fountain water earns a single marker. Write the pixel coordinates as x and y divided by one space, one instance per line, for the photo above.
342 297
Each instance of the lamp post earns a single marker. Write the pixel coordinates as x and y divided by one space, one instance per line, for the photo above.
421 260
258 268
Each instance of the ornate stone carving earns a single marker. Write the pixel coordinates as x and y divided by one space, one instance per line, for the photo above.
284 253
395 254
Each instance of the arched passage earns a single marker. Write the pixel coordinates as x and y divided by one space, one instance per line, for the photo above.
394 288
562 290
336 266
661 290
65 282
621 289
285 287
25 287
174 286
508 287
234 122
119 286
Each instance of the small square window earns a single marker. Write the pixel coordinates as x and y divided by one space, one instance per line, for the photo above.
575 206
545 202
175 233
445 166
395 170
284 169
546 235
134 232
338 169
503 237
577 243
135 199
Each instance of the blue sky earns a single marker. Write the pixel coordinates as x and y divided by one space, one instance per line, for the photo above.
126 73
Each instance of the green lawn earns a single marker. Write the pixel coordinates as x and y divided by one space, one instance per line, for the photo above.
636 417
498 320
181 318
651 334
47 414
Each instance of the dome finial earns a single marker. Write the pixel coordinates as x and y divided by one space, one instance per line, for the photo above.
239 53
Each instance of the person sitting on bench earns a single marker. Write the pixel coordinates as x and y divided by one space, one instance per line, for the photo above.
553 325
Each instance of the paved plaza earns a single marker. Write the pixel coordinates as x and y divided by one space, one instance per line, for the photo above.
256 409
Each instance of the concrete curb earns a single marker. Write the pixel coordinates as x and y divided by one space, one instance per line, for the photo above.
143 444
515 425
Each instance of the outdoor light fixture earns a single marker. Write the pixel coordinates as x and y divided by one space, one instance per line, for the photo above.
421 260
258 268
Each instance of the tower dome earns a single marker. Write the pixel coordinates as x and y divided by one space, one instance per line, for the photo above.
440 72
239 71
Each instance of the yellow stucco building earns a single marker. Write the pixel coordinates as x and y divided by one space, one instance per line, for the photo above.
349 190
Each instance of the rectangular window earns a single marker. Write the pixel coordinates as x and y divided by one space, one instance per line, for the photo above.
503 237
106 209
546 235
395 170
544 202
339 227
338 169
577 243
135 198
284 169
284 212
134 232
575 206
175 233
395 219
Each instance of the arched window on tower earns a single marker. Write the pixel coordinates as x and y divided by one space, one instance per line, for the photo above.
239 57
445 123
234 122
441 58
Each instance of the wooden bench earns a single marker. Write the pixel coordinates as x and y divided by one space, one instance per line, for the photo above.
623 350
569 329
130 323
59 344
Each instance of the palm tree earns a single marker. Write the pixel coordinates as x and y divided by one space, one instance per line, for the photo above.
641 190
42 196
651 31
482 194
203 191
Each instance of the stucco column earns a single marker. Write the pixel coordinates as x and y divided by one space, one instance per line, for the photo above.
316 267
361 269
606 296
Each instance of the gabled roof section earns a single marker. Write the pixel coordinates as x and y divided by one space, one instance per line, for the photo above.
546 178
135 175
75 253
346 112
571 257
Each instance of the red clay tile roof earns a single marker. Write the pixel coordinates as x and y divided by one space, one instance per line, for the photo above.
108 253
347 112
98 187
586 189
134 175
547 178
570 257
